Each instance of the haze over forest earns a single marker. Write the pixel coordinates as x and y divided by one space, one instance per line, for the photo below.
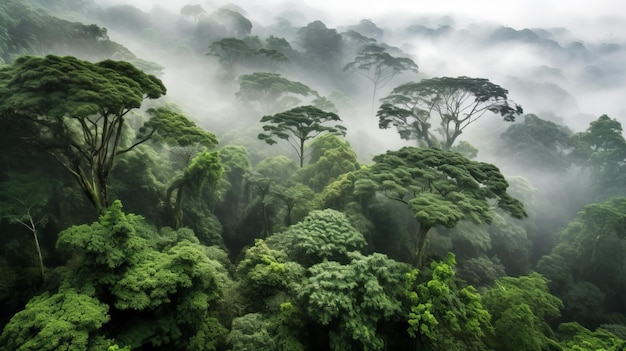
148 153
559 61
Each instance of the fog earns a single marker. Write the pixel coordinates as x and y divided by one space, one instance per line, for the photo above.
560 60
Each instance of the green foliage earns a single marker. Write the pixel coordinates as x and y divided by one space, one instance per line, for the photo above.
229 53
480 271
575 337
457 102
321 44
537 143
353 299
26 29
271 91
175 129
322 235
299 125
443 315
250 332
588 264
79 114
441 188
266 272
66 320
602 148
167 276
329 158
520 308
295 197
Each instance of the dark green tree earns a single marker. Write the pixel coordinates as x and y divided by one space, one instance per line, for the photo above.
321 43
602 149
66 320
444 316
322 235
23 199
537 143
271 91
440 188
204 169
330 157
588 264
456 102
520 309
299 125
352 301
230 52
575 337
80 114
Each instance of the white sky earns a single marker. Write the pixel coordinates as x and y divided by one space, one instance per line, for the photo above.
603 18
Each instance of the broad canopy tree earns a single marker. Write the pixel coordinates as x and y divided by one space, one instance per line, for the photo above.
378 66
271 91
457 102
299 125
440 188
80 109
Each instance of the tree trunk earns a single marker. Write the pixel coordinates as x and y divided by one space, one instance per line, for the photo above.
420 244
43 276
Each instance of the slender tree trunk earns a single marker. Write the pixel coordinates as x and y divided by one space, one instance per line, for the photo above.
43 275
30 223
301 152
420 244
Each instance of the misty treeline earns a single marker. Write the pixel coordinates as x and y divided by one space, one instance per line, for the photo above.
139 216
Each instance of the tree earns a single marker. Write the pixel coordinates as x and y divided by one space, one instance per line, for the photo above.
171 127
192 11
379 66
519 309
457 102
440 188
331 156
575 337
352 300
537 143
590 261
229 52
322 235
80 114
321 43
299 125
602 149
204 169
162 289
271 91
443 315
22 199
53 322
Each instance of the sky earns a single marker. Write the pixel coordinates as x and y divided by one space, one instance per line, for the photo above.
595 19
600 18
591 22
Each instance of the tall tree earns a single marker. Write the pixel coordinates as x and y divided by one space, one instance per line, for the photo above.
321 43
299 125
22 199
204 169
271 91
444 315
80 109
230 52
379 67
457 102
602 149
440 188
